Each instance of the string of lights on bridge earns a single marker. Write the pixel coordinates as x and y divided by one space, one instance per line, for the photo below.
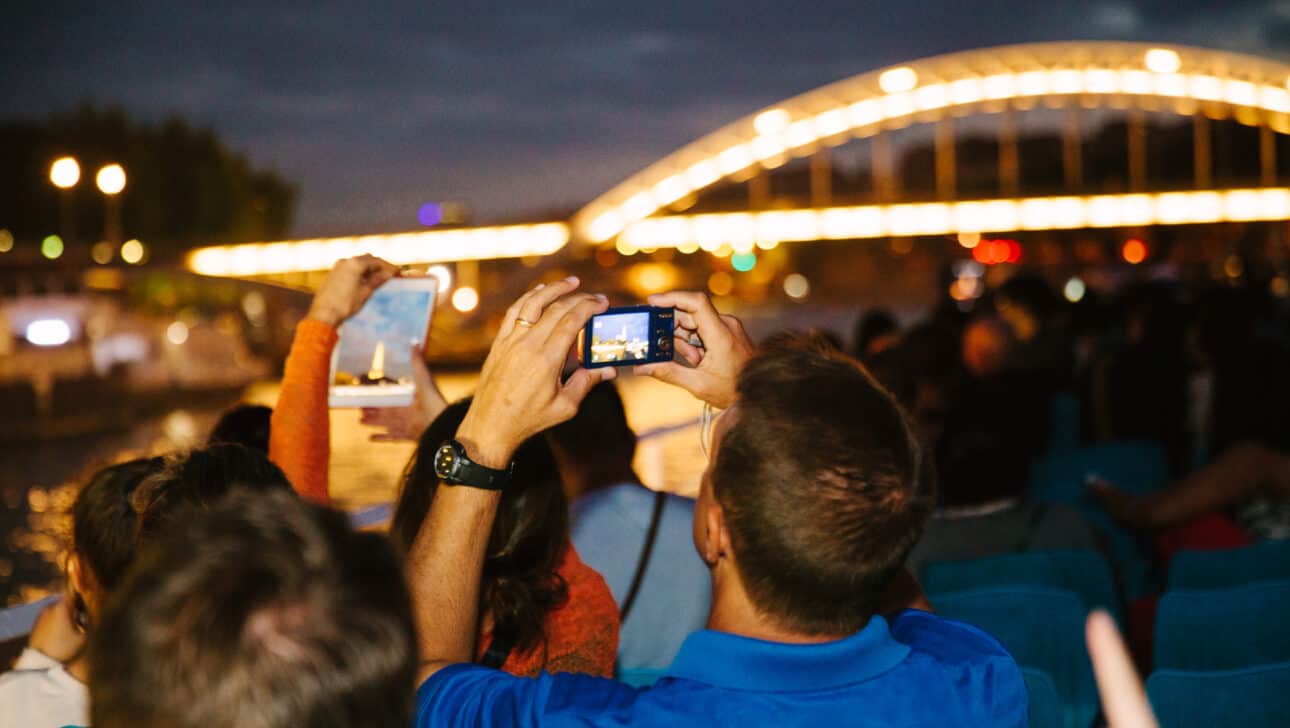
897 95
1253 90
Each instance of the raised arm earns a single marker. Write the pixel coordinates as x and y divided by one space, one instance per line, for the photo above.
519 395
299 430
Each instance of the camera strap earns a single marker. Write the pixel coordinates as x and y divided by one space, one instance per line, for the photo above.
660 498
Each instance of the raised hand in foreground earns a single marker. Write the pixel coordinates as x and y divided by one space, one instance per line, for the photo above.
520 393
348 286
714 364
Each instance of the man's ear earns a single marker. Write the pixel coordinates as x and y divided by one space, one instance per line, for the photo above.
82 582
716 538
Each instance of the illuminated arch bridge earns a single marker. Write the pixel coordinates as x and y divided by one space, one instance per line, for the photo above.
641 213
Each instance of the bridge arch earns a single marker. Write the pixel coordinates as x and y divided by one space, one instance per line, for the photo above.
1144 76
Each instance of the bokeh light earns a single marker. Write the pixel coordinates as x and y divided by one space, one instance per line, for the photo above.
969 240
6 241
65 173
1133 251
743 262
132 252
430 214
51 247
1163 60
796 286
177 333
102 252
899 79
465 299
1074 289
48 332
772 121
721 283
444 278
111 179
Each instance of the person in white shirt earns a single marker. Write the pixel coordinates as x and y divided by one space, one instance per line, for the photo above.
47 685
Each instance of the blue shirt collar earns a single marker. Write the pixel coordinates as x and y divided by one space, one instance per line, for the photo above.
729 661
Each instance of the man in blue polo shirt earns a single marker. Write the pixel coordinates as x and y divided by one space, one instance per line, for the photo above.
816 491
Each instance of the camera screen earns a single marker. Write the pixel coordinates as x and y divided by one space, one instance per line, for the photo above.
620 337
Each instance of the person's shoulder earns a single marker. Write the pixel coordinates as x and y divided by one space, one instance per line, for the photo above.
946 640
472 694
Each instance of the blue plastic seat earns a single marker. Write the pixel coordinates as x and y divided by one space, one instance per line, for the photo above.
1252 697
1045 706
1085 573
1223 629
1136 468
1230 567
1042 628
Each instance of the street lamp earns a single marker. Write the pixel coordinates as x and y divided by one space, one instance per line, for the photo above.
64 173
111 180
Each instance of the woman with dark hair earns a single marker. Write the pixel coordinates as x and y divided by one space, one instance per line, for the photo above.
47 684
541 607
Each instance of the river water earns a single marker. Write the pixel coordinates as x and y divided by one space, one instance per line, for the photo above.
39 481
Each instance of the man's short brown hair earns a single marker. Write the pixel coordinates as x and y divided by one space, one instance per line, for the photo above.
258 611
824 486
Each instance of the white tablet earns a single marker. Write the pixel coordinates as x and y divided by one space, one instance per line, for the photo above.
372 363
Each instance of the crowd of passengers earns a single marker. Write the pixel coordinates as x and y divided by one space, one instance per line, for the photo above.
217 587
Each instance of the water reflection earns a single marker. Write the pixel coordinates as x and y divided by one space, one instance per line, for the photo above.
36 524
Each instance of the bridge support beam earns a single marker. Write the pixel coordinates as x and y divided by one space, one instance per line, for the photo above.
883 161
1267 156
759 190
1073 151
1137 143
1009 159
1202 152
946 163
822 178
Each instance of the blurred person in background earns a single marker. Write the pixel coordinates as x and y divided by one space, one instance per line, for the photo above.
875 332
541 608
197 479
987 347
1241 340
257 610
544 608
243 424
47 686
1138 384
640 540
982 509
816 490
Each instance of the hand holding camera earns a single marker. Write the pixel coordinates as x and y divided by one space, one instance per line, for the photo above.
519 392
715 363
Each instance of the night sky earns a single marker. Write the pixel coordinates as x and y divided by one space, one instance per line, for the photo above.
516 106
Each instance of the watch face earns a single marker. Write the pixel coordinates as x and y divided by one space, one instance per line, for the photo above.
445 460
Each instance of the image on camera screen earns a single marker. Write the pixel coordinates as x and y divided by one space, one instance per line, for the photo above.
620 337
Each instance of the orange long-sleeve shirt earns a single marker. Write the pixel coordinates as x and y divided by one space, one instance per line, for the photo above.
581 634
300 428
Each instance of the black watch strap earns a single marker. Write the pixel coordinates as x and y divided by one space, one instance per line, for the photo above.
454 467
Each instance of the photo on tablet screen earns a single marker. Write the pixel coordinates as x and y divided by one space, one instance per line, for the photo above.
372 364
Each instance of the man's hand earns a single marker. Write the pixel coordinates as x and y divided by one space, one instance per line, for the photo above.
347 287
55 632
407 423
715 365
519 392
